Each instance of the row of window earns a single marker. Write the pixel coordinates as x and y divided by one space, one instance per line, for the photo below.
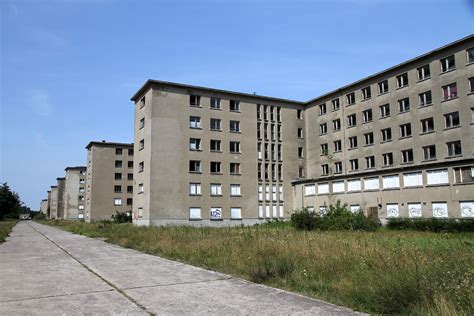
446 64
273 170
214 103
215 213
195 166
275 132
275 211
215 189
274 112
269 152
410 179
215 124
214 145
119 151
118 176
118 201
273 189
118 189
119 164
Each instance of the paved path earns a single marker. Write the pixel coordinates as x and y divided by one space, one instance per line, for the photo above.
47 271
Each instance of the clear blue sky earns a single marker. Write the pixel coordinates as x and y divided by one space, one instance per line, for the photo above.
69 67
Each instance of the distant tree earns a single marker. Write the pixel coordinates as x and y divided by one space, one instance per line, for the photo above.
10 204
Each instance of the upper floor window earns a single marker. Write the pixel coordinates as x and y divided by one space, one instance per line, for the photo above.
354 163
335 104
353 142
215 103
369 138
384 110
323 128
300 133
425 98
235 190
215 124
322 109
234 106
259 112
299 114
450 91
130 152
407 155
194 188
300 152
141 144
387 159
454 148
141 123
337 145
427 125
118 151
366 93
386 134
429 152
215 145
194 144
234 147
367 115
325 169
141 166
370 162
118 176
405 130
194 122
471 84
383 86
402 80
234 126
195 100
278 114
118 163
338 167
194 166
215 167
423 72
336 124
404 105
452 119
142 102
447 63
324 149
234 168
351 120
350 98
470 55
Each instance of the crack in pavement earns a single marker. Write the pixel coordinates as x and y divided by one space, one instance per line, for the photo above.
58 295
179 283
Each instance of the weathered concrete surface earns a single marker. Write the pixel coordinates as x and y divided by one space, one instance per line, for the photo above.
46 271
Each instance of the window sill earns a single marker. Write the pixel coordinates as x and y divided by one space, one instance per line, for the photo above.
216 219
334 110
236 195
195 219
371 190
452 127
215 195
140 128
356 191
367 122
215 130
352 148
368 145
405 137
195 106
350 104
235 153
407 163
367 99
413 187
470 63
384 117
447 71
198 150
195 127
235 111
421 106
216 173
423 79
215 109
454 156
216 151
426 133
383 93
235 132
446 100
195 172
470 93
370 168
195 195
404 112
323 134
386 141
429 160
387 166
337 151
437 185
390 189
399 88
235 174
352 126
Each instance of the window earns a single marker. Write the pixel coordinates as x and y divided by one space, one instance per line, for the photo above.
429 152
351 120
215 103
279 115
466 208
118 189
402 80
194 166
471 84
407 155
404 105
323 128
280 173
391 182
266 152
369 139
371 184
141 188
215 167
350 98
367 115
452 119
130 176
352 142
323 188
142 102
118 163
337 145
354 164
440 209
234 106
279 132
129 201
322 109
454 148
384 110
300 172
130 152
141 166
427 125
141 123
299 114
439 176
141 144
194 100
447 63
354 185
338 167
414 210
366 93
234 126
194 188
118 151
82 190
235 213
265 131
300 133
215 145
130 164
234 168
117 202
425 98
470 55
216 189
82 181
338 186
335 104
194 213
450 91
325 169
336 124
215 124
387 159
413 179
118 176
81 207
370 162
259 130
464 174
392 210
405 130
383 86
324 149
309 190
300 152
267 193
194 122
423 72
234 147
129 188
386 134
235 190
259 112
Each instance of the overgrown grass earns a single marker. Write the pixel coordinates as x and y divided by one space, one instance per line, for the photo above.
5 229
383 272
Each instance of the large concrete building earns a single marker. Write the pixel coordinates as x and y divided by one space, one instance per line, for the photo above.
44 206
61 184
396 144
109 180
53 207
74 192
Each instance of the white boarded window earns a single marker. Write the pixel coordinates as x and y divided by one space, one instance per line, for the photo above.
274 211
216 189
338 186
323 188
260 211
282 211
323 210
392 210
260 193
194 213
216 213
413 179
309 190
353 185
440 209
371 183
390 182
467 208
414 210
355 208
235 213
235 190
274 192
80 206
281 192
195 188
310 209
267 193
439 176
117 202
267 211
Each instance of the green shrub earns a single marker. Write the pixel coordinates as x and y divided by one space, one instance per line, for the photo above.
432 224
305 219
122 217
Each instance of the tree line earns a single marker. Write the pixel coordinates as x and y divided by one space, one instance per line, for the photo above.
11 205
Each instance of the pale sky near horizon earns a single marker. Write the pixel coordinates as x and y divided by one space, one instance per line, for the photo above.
69 68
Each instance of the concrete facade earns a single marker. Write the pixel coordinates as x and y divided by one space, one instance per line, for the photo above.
426 101
61 182
54 202
44 206
109 180
74 193
48 210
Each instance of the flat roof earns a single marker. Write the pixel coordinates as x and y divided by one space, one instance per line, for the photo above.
150 82
76 168
61 178
108 144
